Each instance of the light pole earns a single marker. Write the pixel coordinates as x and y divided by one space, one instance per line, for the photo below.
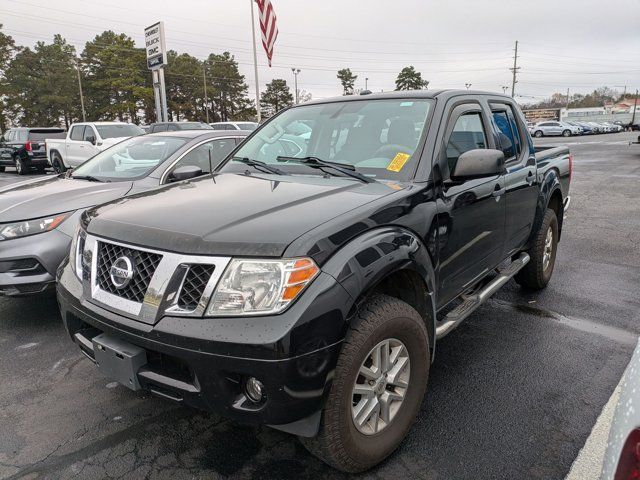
366 83
504 89
84 119
296 71
468 85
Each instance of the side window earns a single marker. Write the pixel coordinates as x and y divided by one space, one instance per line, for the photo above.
517 134
6 136
172 128
21 135
505 134
228 126
208 154
88 132
217 127
468 134
77 133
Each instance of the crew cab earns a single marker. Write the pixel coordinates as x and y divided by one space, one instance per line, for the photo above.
309 292
84 140
24 148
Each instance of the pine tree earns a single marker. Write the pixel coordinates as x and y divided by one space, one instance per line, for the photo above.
276 97
410 79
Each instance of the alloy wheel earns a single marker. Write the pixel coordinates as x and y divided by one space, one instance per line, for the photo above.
381 386
548 249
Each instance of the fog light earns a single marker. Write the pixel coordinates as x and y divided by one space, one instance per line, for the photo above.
254 389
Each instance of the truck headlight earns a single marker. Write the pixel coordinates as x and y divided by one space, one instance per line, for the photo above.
260 287
26 228
77 251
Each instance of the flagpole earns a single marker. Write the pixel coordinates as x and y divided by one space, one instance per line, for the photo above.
255 61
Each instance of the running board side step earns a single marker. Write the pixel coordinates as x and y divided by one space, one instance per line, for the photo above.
472 302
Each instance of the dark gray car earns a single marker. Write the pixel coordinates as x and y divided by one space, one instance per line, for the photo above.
38 218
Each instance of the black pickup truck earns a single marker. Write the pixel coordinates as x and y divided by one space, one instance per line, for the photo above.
24 148
306 283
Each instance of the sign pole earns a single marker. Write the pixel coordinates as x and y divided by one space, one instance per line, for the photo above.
255 62
163 94
156 94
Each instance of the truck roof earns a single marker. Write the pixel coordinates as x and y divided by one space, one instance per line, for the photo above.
442 93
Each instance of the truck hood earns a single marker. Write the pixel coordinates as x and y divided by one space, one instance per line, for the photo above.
231 214
53 195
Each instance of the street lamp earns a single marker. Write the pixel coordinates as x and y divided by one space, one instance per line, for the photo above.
505 88
366 83
468 85
296 71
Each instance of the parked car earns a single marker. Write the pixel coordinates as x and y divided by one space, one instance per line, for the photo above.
633 127
175 126
248 126
587 129
615 128
37 219
622 456
24 149
554 128
597 127
84 140
309 292
582 130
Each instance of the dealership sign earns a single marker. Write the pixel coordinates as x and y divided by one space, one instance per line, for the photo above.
155 46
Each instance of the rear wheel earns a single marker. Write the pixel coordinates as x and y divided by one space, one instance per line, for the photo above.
2 169
566 133
538 134
20 165
379 384
57 164
537 273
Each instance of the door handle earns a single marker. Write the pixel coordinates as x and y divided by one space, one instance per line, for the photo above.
498 191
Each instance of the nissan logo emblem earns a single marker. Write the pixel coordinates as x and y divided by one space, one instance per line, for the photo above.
121 272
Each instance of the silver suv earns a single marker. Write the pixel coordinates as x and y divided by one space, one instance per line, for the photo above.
550 128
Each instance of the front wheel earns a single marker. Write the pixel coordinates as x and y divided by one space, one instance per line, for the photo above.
537 273
379 384
566 133
21 167
538 134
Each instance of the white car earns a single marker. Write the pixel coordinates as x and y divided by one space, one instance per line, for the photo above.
86 139
246 126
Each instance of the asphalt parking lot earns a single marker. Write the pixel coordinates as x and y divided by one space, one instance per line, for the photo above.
514 392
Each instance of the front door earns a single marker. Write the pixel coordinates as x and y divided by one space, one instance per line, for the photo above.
471 214
75 146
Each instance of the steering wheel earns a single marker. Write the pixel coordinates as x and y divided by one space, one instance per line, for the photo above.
390 150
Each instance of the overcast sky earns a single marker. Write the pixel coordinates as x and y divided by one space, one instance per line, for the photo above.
562 44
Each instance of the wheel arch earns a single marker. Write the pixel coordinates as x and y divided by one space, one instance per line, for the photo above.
391 260
549 196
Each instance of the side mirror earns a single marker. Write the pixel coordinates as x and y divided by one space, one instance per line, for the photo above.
185 173
91 139
478 163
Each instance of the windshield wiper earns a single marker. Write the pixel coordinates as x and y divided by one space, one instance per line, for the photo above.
86 177
315 162
259 165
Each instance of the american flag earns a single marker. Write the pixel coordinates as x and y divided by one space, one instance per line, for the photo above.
268 26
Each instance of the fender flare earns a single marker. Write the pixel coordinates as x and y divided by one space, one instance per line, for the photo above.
365 261
55 150
548 187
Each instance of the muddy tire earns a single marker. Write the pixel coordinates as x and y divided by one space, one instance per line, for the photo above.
537 273
372 404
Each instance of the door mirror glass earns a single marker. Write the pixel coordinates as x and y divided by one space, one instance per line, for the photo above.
478 163
185 173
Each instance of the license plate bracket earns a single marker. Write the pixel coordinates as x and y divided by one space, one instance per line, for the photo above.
119 360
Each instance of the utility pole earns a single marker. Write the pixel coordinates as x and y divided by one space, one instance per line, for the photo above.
567 97
296 71
206 97
635 106
515 71
84 117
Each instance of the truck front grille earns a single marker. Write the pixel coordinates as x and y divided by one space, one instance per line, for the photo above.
193 287
144 263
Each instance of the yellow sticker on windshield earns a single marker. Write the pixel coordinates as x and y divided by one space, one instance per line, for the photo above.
398 162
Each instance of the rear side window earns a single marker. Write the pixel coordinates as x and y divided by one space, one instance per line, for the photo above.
468 134
21 135
77 132
159 128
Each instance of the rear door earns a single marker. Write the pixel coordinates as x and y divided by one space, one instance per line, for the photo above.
521 176
472 213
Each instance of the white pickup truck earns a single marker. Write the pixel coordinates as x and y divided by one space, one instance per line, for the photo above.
86 139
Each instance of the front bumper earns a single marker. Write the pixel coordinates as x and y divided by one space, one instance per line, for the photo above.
205 362
28 265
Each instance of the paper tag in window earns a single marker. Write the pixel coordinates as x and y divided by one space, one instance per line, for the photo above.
398 162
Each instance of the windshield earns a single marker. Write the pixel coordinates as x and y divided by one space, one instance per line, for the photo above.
130 159
194 126
116 131
377 137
